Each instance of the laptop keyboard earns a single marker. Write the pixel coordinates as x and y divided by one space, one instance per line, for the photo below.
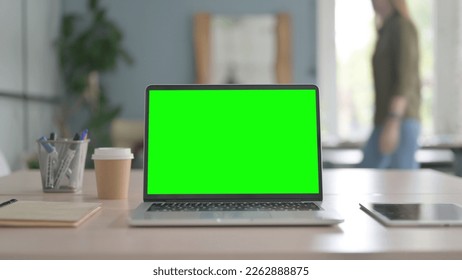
233 206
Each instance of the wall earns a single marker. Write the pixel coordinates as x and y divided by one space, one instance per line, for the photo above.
158 34
28 74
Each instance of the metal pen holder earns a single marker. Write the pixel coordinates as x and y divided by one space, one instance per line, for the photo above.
62 163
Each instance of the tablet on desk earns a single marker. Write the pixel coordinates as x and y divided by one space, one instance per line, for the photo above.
415 214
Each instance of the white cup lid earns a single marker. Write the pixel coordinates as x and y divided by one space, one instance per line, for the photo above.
112 154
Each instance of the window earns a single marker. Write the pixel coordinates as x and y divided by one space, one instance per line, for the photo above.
354 40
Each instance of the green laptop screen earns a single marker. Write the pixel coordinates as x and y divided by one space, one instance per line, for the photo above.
232 141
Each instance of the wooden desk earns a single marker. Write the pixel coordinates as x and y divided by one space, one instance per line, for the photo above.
451 142
433 150
108 236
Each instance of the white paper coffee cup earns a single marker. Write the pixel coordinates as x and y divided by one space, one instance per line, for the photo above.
112 170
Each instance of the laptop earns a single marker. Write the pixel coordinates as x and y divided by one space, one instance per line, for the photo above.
232 155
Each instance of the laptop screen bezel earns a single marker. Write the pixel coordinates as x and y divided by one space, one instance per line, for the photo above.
223 197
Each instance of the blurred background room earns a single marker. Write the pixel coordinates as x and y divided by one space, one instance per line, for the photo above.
67 65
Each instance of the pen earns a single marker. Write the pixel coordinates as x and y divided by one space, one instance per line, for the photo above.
66 161
8 202
52 136
51 161
84 134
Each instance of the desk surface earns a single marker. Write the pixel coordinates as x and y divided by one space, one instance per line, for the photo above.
108 236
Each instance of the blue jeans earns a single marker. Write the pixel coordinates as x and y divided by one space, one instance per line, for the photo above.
404 155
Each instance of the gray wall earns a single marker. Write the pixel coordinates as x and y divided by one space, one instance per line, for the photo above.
158 34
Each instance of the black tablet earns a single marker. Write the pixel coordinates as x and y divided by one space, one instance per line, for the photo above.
415 214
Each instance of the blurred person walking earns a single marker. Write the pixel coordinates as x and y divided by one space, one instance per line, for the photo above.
395 64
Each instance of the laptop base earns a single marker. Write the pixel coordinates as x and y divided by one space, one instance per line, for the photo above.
142 217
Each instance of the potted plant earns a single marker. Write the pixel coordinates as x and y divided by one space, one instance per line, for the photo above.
88 47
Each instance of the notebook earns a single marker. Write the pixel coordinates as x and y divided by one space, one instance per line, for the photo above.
46 213
232 155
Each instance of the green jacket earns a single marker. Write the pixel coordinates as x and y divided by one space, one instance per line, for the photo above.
395 67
